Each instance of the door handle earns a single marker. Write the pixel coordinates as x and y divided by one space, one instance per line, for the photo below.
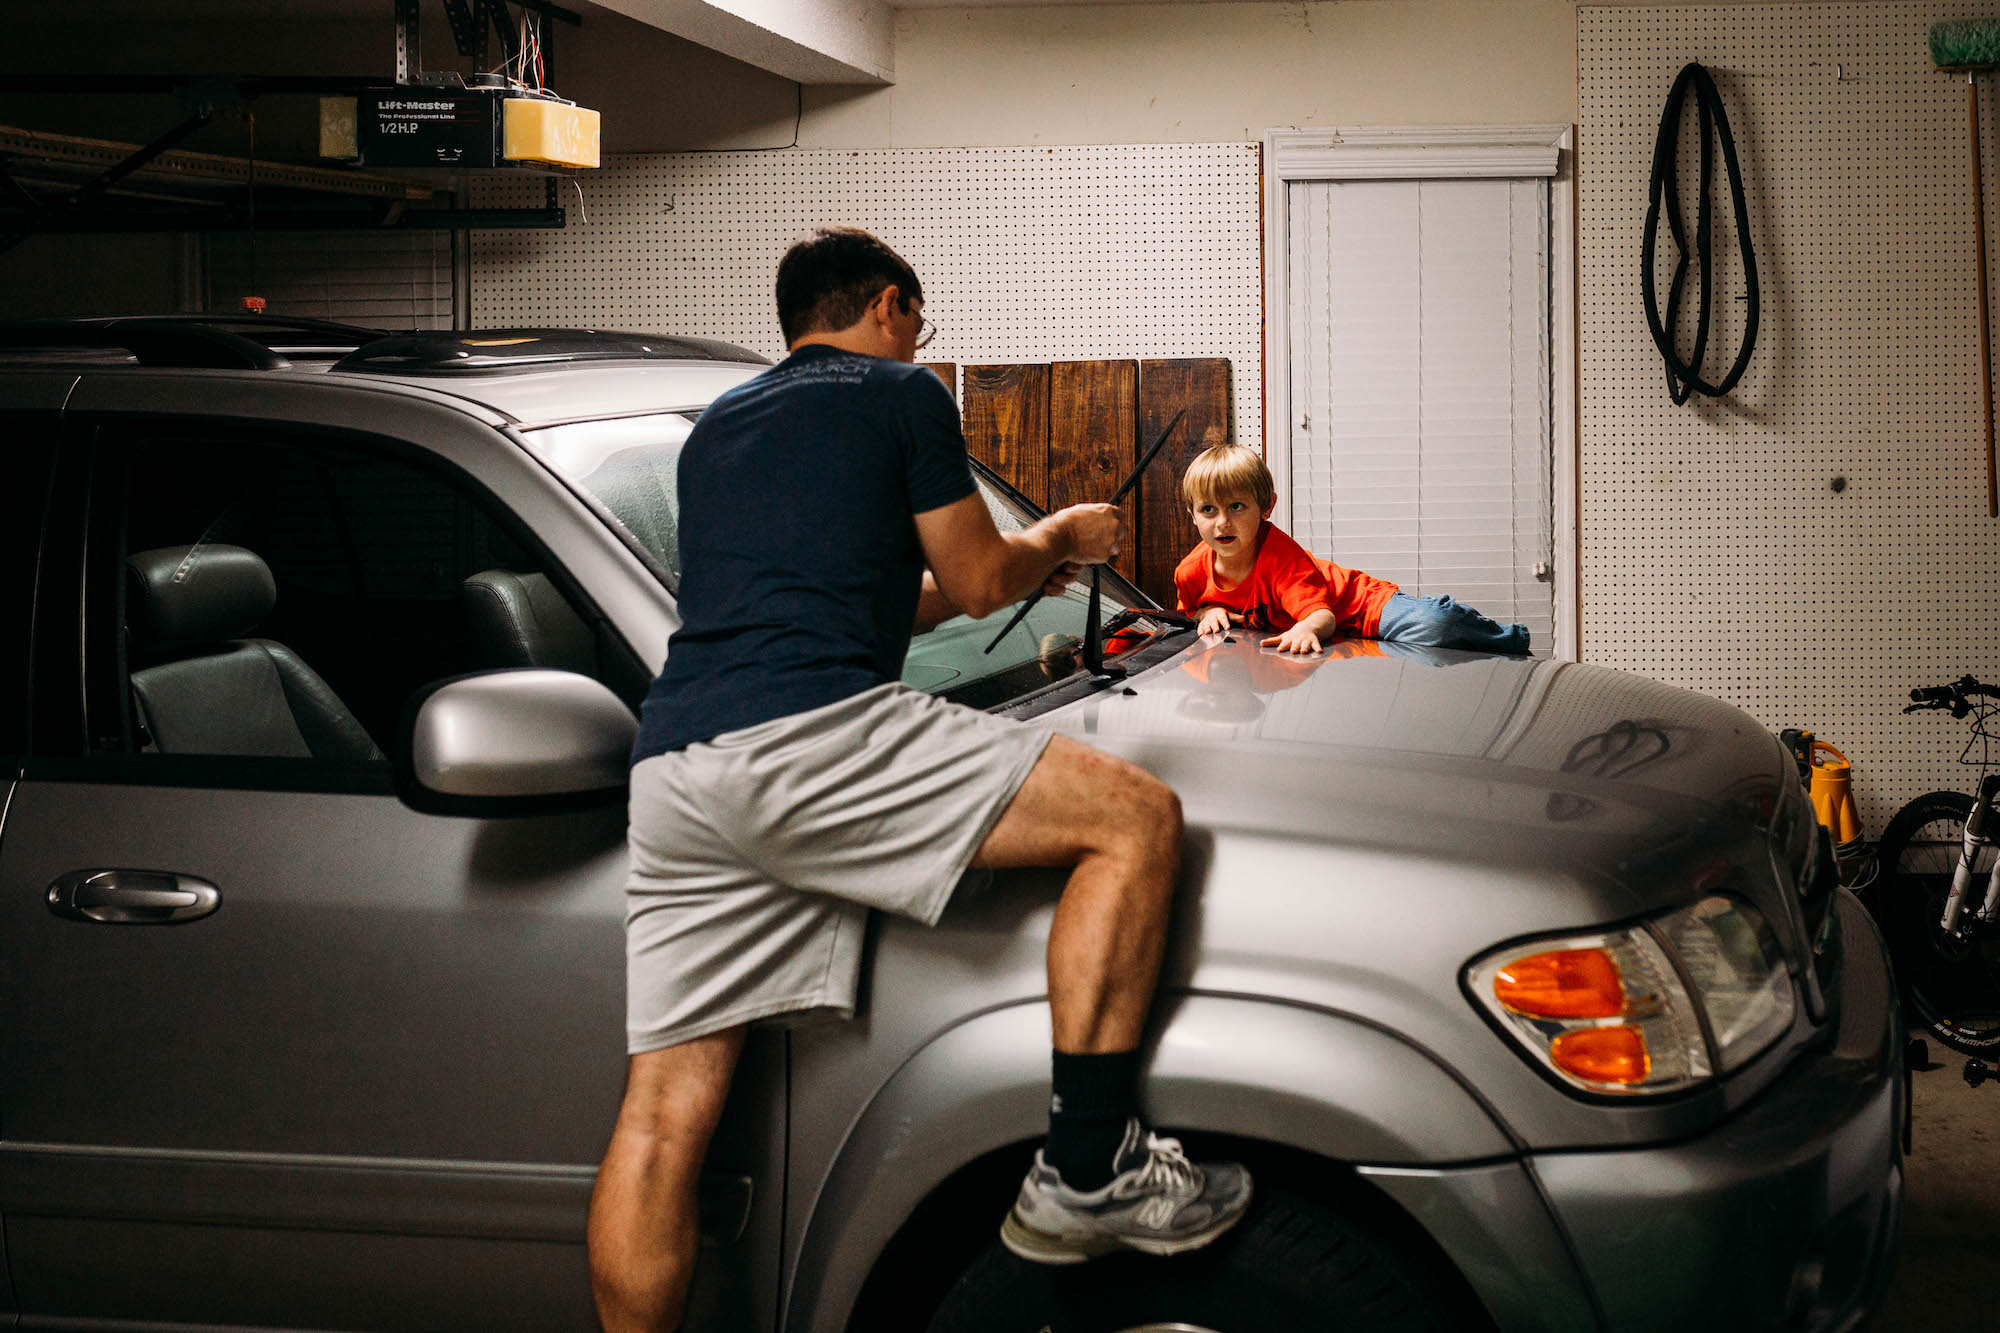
132 897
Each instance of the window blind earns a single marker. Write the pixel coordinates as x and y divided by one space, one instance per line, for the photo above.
1420 393
378 280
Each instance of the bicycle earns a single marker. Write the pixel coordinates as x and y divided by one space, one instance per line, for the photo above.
1943 935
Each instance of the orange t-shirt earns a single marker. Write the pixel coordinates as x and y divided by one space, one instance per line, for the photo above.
1287 583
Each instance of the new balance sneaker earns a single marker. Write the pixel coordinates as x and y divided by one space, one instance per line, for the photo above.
1159 1203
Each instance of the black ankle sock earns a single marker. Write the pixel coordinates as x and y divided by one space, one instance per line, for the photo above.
1094 1096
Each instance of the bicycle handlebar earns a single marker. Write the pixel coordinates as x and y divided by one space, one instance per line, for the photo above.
1956 696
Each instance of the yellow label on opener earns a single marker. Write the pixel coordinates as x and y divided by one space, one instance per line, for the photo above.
552 132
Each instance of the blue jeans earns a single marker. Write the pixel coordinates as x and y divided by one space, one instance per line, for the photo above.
1441 622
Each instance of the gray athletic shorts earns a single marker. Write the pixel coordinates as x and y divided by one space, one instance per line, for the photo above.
756 855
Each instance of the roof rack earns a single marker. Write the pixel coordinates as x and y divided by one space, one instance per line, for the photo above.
242 342
488 351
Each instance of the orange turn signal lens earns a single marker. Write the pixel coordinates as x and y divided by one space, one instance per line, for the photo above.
1603 1055
1564 983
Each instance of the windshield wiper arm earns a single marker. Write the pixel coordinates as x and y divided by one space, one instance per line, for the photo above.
1092 650
1093 637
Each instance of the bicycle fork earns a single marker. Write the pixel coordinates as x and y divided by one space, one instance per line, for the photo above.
1976 836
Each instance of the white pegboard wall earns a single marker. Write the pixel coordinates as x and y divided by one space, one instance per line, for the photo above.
1026 254
1715 552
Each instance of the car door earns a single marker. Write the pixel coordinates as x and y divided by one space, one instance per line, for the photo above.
365 1081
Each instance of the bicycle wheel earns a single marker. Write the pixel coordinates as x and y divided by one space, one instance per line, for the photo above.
1951 984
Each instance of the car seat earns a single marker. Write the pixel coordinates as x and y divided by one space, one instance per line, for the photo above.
202 689
521 620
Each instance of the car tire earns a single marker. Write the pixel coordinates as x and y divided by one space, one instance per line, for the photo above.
1291 1266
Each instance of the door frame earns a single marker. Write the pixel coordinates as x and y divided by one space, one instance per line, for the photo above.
1435 152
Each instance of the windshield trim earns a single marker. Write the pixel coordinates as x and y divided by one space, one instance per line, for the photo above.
691 411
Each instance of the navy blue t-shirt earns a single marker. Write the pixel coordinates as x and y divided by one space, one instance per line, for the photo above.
800 565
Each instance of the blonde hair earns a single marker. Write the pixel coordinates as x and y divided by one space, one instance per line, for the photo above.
1225 470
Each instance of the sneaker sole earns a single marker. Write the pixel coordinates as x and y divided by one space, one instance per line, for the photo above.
1040 1247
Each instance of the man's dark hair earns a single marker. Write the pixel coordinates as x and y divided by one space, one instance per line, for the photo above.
827 280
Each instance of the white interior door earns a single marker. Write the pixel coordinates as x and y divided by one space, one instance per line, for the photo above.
1421 411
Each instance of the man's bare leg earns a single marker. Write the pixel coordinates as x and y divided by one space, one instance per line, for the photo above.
643 1218
1119 827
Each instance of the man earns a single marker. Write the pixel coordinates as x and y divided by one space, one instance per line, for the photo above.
784 783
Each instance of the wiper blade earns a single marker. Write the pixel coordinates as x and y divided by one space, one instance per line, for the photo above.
1125 486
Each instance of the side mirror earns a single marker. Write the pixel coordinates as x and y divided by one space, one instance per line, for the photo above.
516 742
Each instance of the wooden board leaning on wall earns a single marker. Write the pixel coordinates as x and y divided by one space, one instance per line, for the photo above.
1007 425
1093 440
1069 431
1201 385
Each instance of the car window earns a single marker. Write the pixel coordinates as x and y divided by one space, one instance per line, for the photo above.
277 597
628 467
27 451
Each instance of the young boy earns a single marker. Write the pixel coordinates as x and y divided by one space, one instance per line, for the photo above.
1248 572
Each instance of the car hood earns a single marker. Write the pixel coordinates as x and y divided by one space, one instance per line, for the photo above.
1363 824
1461 757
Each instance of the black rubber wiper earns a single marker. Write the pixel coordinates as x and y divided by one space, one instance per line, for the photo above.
1124 488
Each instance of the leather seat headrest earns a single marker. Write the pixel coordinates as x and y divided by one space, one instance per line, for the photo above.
196 595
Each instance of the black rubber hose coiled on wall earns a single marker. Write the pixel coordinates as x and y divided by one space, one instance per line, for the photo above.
1684 377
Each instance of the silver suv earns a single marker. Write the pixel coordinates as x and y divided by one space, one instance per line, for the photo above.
1524 987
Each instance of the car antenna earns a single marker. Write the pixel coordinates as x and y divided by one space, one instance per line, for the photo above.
1124 488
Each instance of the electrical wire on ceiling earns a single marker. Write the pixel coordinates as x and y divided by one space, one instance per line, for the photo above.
798 120
524 67
1684 377
531 42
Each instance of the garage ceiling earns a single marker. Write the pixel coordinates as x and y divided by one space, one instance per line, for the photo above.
837 42
842 42
811 41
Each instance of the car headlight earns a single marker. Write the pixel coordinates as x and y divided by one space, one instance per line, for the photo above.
1655 1008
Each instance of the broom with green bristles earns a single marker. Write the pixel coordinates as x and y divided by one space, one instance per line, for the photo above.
1967 46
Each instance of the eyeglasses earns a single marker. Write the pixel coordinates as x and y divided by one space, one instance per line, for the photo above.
925 332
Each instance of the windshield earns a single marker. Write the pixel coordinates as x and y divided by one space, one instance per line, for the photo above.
951 658
627 466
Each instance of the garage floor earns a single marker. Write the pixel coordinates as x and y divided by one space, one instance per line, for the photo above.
1949 1276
